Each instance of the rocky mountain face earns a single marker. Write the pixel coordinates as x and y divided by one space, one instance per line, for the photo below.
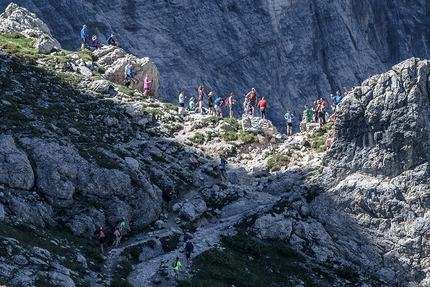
78 150
378 171
292 52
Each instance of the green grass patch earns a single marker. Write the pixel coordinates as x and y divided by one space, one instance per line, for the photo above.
277 161
169 243
247 137
172 107
123 269
212 119
198 138
125 90
245 261
229 136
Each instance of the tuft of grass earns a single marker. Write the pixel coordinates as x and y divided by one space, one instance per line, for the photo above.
247 137
126 90
123 270
229 136
277 161
198 138
212 119
169 243
169 106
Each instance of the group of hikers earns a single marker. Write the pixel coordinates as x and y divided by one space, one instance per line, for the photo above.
318 113
215 105
129 78
117 230
95 44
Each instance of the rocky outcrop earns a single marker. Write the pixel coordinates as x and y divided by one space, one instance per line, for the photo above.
18 19
378 172
383 125
115 59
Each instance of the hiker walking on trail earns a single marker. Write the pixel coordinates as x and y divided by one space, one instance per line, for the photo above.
222 168
117 237
167 196
189 248
121 229
176 265
83 37
102 237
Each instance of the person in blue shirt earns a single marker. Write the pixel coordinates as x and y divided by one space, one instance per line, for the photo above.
218 110
289 117
111 41
83 37
337 98
222 168
129 75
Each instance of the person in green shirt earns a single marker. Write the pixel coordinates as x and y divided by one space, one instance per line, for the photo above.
308 114
176 265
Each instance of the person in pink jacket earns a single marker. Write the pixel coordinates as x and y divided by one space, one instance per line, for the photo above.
147 85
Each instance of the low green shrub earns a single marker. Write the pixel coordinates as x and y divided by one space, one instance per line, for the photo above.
277 161
247 137
198 138
229 136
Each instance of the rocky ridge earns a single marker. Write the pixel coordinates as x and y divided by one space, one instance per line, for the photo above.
79 151
292 52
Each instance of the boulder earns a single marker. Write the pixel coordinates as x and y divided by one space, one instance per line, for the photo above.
19 19
16 171
193 210
100 86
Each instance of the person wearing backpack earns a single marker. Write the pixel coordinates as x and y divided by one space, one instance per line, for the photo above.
129 75
110 41
189 248
102 237
217 105
117 235
252 96
176 264
289 117
222 168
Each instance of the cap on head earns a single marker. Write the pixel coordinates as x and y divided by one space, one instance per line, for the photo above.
101 228
253 89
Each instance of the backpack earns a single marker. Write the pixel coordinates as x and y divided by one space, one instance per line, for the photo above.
226 102
221 103
174 263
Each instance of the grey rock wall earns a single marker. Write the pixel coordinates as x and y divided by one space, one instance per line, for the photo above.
291 51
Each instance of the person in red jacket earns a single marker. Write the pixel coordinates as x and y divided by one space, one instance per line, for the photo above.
262 106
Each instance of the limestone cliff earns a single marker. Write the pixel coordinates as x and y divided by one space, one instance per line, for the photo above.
78 150
292 52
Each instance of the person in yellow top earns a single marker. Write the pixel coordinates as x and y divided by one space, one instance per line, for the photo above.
176 265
